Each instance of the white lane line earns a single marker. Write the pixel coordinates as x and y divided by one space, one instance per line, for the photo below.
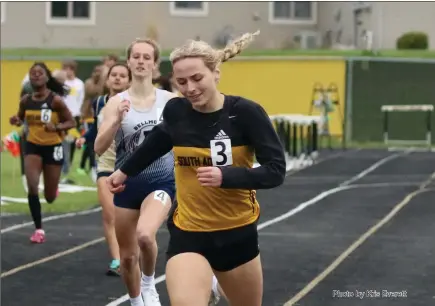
372 168
51 218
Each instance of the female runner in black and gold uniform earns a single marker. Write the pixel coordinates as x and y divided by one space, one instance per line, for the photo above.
214 138
47 119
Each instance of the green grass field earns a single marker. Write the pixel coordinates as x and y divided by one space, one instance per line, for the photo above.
27 52
11 186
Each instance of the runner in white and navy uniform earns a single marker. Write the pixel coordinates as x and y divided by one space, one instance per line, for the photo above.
143 205
145 200
160 175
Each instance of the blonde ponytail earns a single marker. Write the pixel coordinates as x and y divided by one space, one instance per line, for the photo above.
211 57
236 46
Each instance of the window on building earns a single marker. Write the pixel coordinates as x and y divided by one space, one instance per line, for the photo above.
3 12
188 8
71 12
293 12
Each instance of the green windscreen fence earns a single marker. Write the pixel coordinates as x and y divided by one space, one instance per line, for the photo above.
399 83
165 67
85 68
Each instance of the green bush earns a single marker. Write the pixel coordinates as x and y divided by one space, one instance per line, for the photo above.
413 41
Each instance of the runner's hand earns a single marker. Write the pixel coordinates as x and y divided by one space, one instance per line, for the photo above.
15 120
209 176
115 182
80 142
50 127
123 108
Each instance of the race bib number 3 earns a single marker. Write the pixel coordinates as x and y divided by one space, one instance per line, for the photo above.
221 153
45 115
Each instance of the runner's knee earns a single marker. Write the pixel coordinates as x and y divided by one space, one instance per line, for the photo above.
129 260
50 195
32 185
50 199
146 239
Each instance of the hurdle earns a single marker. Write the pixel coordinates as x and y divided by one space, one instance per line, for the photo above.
299 136
401 144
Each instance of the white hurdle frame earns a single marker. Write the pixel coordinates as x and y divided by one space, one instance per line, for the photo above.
401 144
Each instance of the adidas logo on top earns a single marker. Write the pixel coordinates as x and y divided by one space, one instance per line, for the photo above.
221 135
44 105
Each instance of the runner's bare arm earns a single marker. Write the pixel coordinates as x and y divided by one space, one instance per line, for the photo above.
109 126
21 109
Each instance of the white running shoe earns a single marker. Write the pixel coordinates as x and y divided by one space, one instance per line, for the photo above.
215 297
151 297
